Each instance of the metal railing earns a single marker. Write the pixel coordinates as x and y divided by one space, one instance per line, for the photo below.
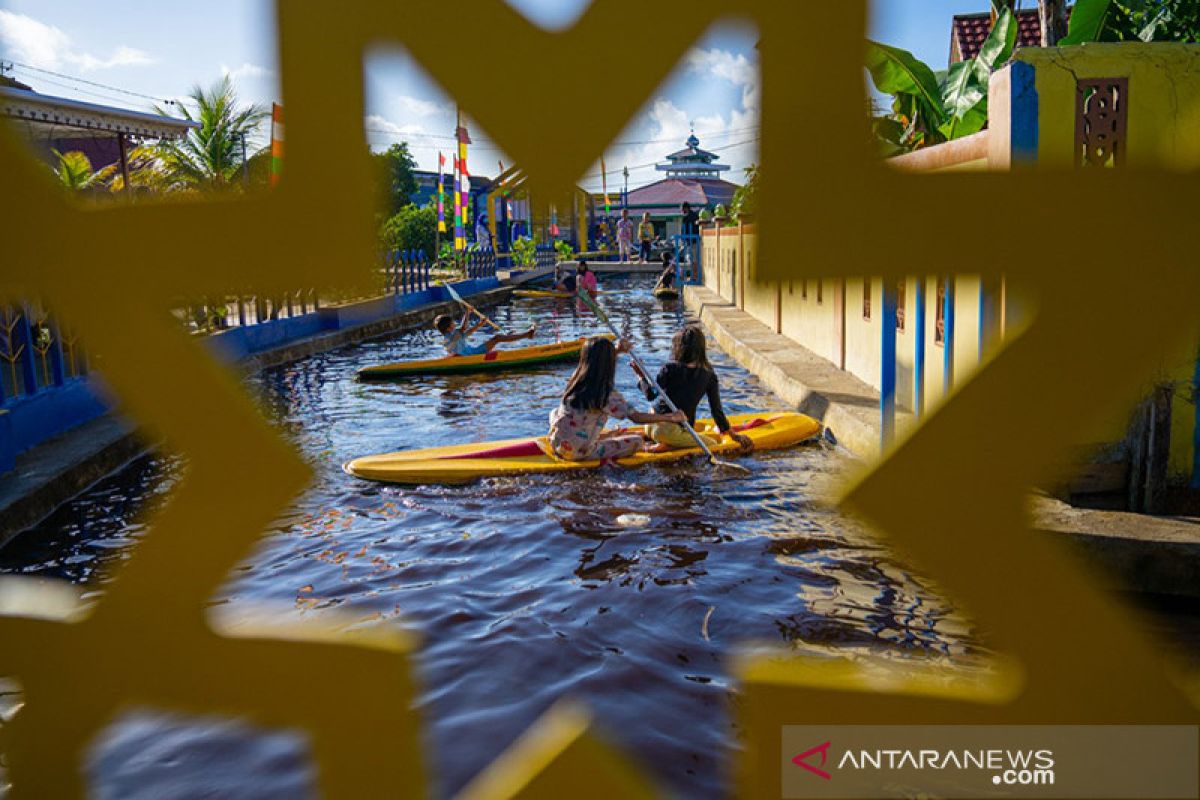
36 352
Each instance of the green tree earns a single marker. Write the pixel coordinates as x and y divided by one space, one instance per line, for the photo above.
74 171
211 157
1134 20
927 108
411 228
745 199
398 183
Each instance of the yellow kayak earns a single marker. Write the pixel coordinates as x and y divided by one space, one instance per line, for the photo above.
468 462
497 360
535 293
541 293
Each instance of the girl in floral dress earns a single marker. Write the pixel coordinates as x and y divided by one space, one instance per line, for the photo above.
577 425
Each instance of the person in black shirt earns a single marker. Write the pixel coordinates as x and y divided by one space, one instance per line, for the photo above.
666 280
687 379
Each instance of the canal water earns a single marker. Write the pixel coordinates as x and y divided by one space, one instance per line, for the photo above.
625 589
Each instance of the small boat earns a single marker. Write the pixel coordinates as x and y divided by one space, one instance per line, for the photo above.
666 293
495 361
464 463
541 293
531 294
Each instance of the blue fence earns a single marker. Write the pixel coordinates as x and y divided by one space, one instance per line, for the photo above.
46 388
42 367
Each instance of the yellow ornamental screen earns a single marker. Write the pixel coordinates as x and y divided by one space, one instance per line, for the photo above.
950 496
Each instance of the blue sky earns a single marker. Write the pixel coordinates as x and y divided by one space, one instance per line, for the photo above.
161 49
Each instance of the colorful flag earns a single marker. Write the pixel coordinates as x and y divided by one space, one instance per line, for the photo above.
276 143
604 183
441 193
462 186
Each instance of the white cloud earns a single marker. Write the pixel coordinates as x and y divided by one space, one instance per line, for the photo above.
247 70
37 44
665 126
422 108
379 124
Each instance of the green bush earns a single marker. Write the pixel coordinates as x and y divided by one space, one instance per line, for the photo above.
411 228
524 252
565 251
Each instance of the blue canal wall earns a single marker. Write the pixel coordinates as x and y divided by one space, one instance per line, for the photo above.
69 402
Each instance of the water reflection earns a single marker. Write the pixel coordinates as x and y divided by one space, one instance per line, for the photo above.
624 588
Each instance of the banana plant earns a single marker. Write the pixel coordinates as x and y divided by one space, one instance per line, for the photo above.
1134 20
929 108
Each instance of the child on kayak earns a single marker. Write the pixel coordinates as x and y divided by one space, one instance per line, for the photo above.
687 378
456 336
566 283
586 279
577 425
667 279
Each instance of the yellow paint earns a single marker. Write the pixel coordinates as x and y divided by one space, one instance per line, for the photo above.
949 495
1164 100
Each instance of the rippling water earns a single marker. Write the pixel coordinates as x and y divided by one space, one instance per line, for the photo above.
626 589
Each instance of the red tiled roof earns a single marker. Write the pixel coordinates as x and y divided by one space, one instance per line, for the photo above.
699 192
970 31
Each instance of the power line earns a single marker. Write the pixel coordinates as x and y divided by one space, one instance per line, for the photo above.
108 98
492 145
87 82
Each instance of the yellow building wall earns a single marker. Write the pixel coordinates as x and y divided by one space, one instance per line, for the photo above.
1164 100
809 316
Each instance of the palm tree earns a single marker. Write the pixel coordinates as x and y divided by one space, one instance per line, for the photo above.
211 157
74 171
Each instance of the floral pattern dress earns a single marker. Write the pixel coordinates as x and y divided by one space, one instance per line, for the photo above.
575 435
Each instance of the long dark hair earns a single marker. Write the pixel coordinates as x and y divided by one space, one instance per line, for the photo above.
689 347
592 383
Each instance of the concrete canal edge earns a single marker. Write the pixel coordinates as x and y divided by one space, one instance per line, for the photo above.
63 467
1143 554
804 380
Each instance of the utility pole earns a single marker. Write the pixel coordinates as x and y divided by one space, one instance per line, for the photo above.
245 163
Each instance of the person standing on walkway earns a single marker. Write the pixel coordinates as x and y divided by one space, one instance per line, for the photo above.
483 234
625 236
690 220
645 237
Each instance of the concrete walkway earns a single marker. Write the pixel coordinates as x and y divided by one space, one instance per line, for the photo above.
51 474
811 384
1143 554
1152 555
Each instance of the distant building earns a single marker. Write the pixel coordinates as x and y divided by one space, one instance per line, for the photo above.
692 177
968 32
427 186
105 134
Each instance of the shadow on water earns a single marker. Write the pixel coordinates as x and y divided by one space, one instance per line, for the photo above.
626 589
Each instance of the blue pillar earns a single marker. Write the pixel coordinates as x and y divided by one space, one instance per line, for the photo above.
8 444
887 381
919 347
58 372
948 343
983 315
28 360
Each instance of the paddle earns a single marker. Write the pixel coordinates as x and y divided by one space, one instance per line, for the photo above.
641 370
458 299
